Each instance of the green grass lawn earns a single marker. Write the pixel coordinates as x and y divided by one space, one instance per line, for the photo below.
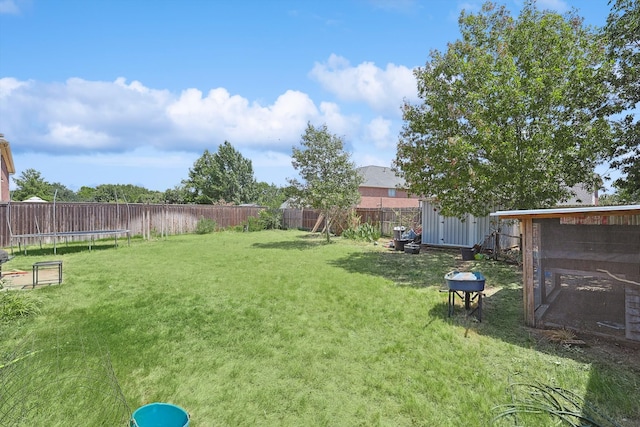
278 328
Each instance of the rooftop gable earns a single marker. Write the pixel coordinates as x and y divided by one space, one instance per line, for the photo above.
380 177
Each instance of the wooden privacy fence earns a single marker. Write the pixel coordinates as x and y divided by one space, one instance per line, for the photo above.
385 218
47 219
146 220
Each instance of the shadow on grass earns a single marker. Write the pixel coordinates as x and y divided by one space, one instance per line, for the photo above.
301 242
298 245
63 249
612 368
417 271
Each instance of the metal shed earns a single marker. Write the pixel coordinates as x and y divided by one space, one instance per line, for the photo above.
439 230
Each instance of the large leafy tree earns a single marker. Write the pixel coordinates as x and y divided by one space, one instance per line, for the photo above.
270 197
513 114
31 183
63 193
623 31
86 194
107 193
177 195
221 177
330 180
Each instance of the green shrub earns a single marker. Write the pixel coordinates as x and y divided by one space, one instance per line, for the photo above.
17 304
254 224
271 218
205 226
365 232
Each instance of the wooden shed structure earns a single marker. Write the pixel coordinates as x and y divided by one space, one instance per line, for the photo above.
581 268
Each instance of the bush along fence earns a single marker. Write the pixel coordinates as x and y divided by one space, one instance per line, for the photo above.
383 219
44 220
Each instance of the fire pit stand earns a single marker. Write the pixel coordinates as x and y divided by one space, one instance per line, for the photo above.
468 287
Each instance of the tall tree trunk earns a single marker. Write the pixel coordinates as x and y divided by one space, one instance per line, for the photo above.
327 227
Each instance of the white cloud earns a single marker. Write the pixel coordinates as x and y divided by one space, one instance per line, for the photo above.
338 123
269 158
378 132
381 89
89 116
231 117
77 137
372 160
8 85
468 7
151 137
9 7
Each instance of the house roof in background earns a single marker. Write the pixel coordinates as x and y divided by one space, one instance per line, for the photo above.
583 196
5 150
380 177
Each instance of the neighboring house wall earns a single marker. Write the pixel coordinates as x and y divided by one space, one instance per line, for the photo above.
6 168
382 188
388 202
384 192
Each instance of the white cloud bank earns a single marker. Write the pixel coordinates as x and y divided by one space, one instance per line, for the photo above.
96 116
79 115
9 7
383 90
113 122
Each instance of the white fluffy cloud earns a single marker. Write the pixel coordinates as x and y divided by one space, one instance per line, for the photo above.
234 118
96 128
378 131
382 89
9 7
91 116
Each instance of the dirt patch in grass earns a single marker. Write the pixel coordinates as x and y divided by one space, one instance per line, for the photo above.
23 280
592 348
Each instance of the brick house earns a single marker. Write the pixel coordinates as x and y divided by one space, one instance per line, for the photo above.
382 188
6 167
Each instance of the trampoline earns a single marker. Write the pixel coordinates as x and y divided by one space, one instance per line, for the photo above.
22 238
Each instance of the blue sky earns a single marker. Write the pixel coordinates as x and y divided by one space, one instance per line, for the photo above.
133 92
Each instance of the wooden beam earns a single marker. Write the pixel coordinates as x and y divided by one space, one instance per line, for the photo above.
554 213
526 226
318 222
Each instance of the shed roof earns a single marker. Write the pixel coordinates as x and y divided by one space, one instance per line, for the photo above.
5 151
380 177
569 212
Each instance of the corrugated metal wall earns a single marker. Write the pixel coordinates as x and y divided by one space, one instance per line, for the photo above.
439 230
